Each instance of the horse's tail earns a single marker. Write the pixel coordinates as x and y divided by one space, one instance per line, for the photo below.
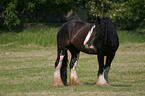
64 69
110 33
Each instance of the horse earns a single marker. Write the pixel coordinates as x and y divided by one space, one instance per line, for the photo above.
98 38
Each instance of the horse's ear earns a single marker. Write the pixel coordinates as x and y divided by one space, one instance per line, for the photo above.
98 20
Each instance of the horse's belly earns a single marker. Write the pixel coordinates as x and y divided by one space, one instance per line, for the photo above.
82 48
90 51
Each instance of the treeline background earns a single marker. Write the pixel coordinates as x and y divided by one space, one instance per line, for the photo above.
126 14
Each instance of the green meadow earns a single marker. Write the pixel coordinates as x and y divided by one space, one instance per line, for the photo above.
27 60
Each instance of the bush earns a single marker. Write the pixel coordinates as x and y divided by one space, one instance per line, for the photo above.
11 17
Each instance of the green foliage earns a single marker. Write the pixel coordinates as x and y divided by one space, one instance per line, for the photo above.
30 6
11 15
127 14
11 11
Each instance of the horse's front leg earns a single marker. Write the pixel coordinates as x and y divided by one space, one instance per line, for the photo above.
101 73
74 80
107 66
103 78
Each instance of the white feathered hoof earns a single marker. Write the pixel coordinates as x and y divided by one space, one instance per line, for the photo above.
101 81
74 79
75 82
57 79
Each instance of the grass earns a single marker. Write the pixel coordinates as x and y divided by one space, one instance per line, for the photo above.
28 70
131 36
36 35
46 36
26 66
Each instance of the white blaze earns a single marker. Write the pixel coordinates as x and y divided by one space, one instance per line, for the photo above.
89 35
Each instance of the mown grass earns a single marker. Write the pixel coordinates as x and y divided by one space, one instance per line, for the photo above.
26 66
28 70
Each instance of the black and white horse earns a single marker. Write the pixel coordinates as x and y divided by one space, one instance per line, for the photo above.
99 38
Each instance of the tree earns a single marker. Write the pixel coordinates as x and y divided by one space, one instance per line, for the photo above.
11 17
127 14
11 11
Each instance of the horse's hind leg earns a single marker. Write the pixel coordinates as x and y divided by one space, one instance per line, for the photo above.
60 74
74 80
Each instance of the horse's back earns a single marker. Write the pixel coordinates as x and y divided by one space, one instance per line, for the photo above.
67 32
70 25
63 34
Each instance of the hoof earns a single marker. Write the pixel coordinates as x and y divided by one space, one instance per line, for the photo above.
57 79
102 84
75 83
74 80
101 81
57 82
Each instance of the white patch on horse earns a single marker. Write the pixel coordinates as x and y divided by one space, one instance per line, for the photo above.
89 35
57 78
103 79
74 80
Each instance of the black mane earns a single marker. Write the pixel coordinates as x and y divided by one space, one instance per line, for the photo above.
110 34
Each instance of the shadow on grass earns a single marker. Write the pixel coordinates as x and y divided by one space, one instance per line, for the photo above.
120 85
112 85
89 83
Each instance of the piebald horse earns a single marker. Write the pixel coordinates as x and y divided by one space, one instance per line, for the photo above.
99 38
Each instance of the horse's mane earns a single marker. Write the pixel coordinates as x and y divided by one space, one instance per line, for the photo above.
110 34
